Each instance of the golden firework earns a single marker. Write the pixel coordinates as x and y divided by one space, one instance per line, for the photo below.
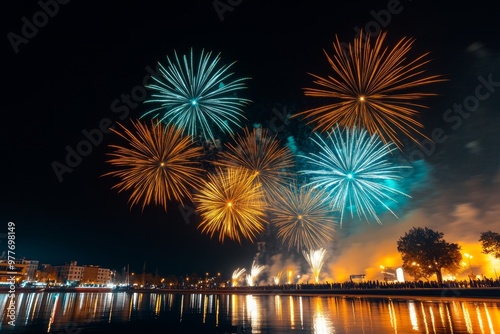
303 217
315 258
157 165
374 87
231 205
261 154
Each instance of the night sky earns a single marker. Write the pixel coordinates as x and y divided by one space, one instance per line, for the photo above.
63 80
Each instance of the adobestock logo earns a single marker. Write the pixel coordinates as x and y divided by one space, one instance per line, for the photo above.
222 6
70 328
30 28
280 121
381 19
454 117
94 137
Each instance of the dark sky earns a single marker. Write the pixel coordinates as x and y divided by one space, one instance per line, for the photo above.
63 79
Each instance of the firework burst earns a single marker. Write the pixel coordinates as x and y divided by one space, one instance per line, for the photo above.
197 96
302 216
231 205
157 165
254 273
374 87
315 259
237 275
355 171
261 154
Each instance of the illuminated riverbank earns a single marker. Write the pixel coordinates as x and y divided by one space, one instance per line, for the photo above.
481 292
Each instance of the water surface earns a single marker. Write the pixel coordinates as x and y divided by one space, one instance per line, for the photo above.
125 312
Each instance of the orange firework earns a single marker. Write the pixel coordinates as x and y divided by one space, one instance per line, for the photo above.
373 87
231 205
260 154
303 217
157 165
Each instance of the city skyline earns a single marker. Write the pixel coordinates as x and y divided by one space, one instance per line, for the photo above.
85 69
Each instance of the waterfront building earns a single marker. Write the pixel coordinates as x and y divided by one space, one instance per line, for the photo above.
70 274
17 270
96 275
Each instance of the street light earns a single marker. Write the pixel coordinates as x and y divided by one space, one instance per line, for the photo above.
468 256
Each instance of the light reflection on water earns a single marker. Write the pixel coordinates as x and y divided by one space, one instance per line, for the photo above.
211 313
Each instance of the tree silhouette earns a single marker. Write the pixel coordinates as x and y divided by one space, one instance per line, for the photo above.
491 243
425 252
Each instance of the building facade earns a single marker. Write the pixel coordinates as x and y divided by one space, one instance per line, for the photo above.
96 275
17 271
31 268
22 270
70 274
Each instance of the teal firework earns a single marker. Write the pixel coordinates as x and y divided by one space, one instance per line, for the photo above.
197 96
356 171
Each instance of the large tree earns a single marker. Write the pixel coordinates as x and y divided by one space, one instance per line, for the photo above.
491 243
426 250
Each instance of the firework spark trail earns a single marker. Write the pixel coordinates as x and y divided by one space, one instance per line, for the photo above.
157 165
277 279
355 171
302 216
260 153
237 274
373 87
254 273
315 259
197 97
231 205
289 276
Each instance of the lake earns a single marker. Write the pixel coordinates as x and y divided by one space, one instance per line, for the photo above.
138 312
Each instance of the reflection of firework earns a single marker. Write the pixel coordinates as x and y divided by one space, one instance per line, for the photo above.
237 274
260 153
195 97
157 165
315 259
254 273
302 216
355 171
231 204
374 87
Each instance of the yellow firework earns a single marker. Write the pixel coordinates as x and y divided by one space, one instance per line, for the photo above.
373 87
303 217
260 154
157 165
231 205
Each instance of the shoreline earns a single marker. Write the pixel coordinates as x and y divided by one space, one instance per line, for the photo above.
487 293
